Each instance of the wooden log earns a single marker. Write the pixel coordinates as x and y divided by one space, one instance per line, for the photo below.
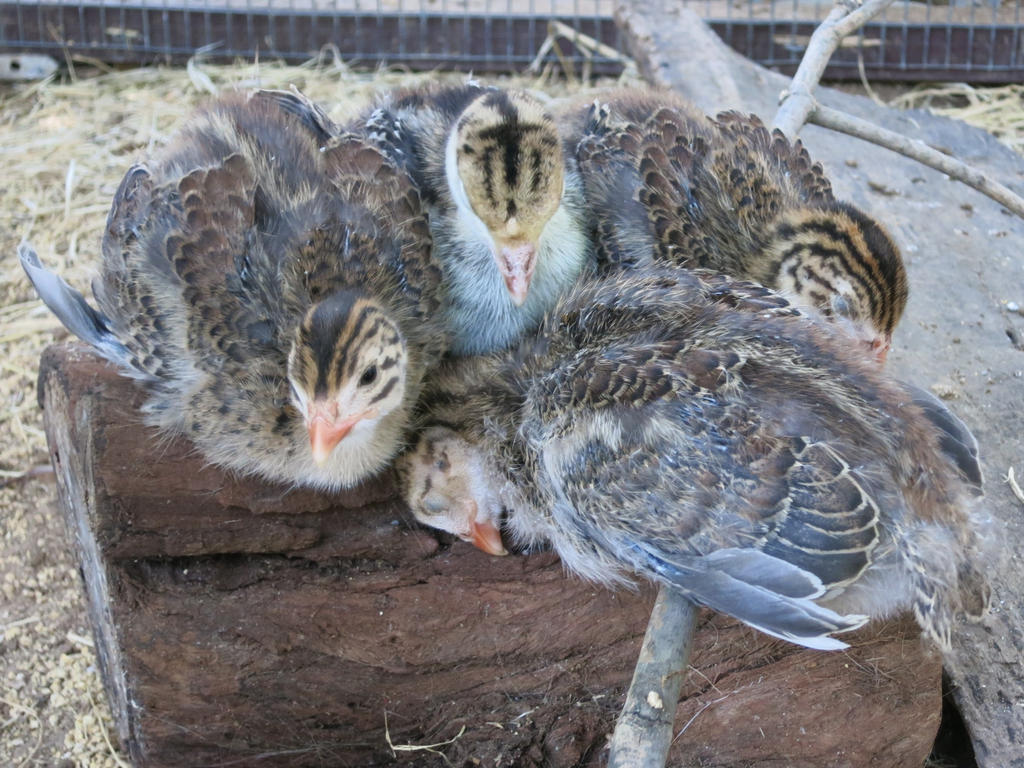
241 623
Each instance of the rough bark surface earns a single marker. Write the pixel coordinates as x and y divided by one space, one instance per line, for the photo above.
239 623
963 332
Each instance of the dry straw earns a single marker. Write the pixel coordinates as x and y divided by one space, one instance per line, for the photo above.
999 110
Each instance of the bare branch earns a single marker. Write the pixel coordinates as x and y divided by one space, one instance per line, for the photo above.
797 101
798 107
643 732
852 20
916 150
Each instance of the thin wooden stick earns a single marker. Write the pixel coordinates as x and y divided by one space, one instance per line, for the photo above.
797 101
798 107
643 732
917 150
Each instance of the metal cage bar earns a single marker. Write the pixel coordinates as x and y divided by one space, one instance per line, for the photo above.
913 41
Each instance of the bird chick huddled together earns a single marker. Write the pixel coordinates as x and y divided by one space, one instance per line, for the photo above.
667 185
700 432
648 337
505 201
670 420
270 279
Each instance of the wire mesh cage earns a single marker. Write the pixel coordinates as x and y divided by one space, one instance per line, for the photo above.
975 40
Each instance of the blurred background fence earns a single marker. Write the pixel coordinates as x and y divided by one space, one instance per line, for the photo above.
970 40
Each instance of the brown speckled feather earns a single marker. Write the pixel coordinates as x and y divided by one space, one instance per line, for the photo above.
119 285
777 156
362 170
709 189
217 213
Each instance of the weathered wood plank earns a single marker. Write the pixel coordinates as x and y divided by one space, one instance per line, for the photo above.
235 621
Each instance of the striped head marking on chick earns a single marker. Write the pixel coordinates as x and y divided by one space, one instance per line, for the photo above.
346 369
843 264
504 165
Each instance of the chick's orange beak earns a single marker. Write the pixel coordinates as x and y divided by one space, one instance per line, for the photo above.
326 430
516 262
880 347
487 537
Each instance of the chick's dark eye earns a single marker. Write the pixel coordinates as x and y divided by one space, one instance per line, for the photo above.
843 307
368 377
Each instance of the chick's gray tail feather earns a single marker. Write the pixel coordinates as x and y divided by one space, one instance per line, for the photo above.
72 310
955 439
762 591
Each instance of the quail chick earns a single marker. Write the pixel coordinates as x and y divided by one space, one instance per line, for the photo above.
505 206
274 289
668 185
699 432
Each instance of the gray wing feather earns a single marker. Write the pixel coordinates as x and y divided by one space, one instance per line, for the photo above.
73 311
309 113
955 438
759 590
755 567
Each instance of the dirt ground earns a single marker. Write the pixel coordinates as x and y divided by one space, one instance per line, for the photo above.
65 146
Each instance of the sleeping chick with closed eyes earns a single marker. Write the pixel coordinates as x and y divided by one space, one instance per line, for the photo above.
504 202
270 281
699 432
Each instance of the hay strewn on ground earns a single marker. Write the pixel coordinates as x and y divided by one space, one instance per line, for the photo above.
1000 110
64 147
